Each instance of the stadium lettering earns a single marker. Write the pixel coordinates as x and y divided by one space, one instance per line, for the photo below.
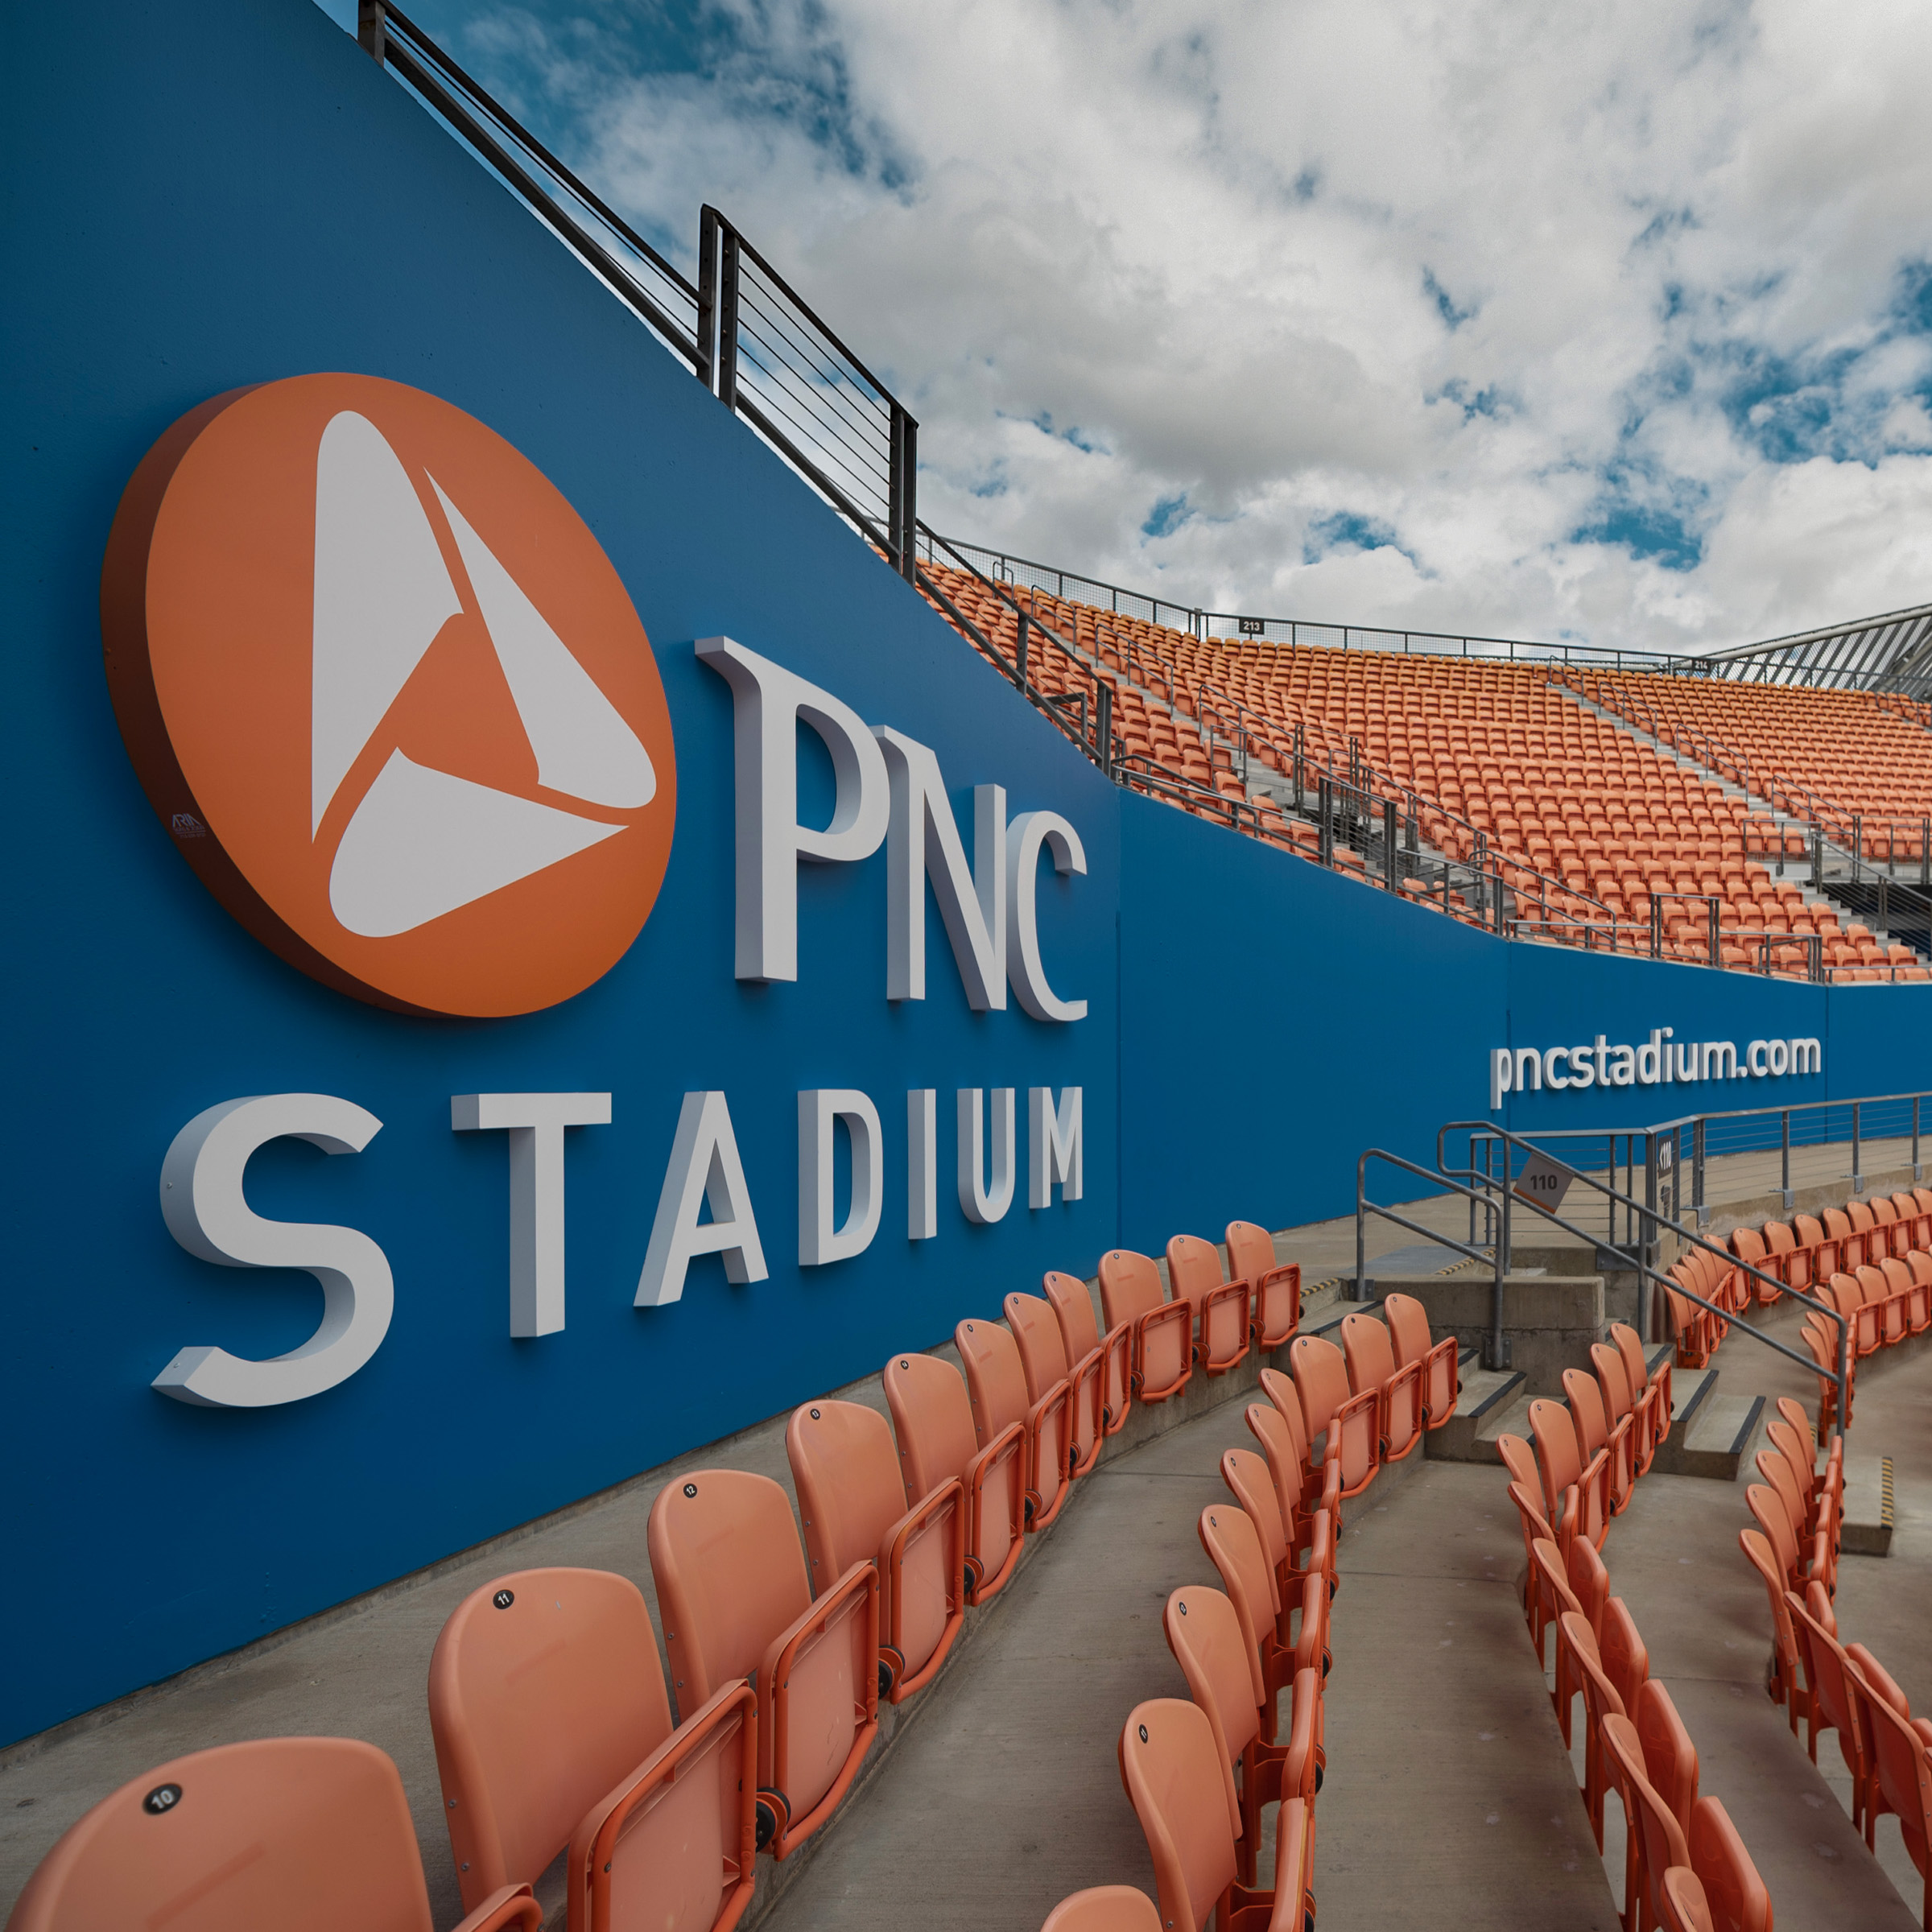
1661 1060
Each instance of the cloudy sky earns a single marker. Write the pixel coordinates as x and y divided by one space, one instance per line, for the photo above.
1610 322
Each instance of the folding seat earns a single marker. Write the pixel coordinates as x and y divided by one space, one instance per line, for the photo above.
1369 1351
1922 1230
1901 1755
1619 1409
1654 1841
1790 1263
1820 1248
1913 1222
1233 1546
1886 1233
1080 1336
1840 1232
1409 1326
1785 1682
1036 1332
1626 1661
1595 1431
1325 1478
1548 1569
1784 1480
1251 1483
1835 1704
996 1384
1189 1814
1693 1328
552 1729
1651 1393
1163 1331
1821 1339
1861 1297
1600 1700
851 1498
1670 1757
736 1602
1918 1308
1589 1583
1310 1531
1277 1285
1104 1908
1535 1528
1749 1246
1220 1306
1334 1411
1894 1298
932 1418
1875 1242
1204 1632
1559 1459
303 1833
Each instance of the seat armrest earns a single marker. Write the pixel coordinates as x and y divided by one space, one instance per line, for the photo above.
951 1494
1007 1449
507 1906
1059 1397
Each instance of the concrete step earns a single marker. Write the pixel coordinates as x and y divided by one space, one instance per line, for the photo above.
1715 1439
1491 1401
1869 1508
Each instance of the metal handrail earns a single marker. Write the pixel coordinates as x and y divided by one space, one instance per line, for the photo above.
1651 1219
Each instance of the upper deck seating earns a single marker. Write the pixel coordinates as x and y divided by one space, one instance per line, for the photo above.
852 1499
304 1834
553 1731
732 1586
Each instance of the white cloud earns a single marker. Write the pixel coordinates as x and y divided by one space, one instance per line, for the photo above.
1487 277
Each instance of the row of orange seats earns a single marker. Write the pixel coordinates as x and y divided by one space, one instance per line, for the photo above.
1686 1869
548 1703
1200 1773
1834 1686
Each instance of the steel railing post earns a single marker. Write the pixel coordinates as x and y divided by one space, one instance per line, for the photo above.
1697 1172
1646 1229
1925 855
1713 903
1025 624
371 34
1499 1345
1657 927
1818 856
908 455
1391 863
727 319
1858 1180
1103 726
1784 1180
1325 828
1915 1174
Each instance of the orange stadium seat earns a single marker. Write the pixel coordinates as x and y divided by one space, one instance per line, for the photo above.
1576 1493
1080 1335
997 1384
553 1731
1277 1285
1326 1476
852 1499
932 1418
304 1834
1369 1350
1600 1700
1409 1325
1104 1908
1309 1532
1334 1410
732 1588
1036 1330
1221 1307
1163 1331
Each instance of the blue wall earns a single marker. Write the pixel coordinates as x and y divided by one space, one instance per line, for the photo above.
190 210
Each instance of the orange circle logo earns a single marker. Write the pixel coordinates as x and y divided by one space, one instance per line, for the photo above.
389 696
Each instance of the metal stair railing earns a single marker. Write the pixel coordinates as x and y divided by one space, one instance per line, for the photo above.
1650 1219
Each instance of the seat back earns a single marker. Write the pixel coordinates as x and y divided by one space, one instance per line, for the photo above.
1626 1659
544 1689
1872 1241
1073 1309
1905 1771
1612 1379
1250 1252
1774 1520
1367 1350
1408 1328
1547 1566
1587 1411
1660 1837
1104 1908
1762 1559
1321 1381
1204 1633
1519 1458
1599 1694
1736 1896
1194 1267
1036 1331
846 1471
1778 1473
1270 1427
1686 1907
1839 1232
303 1833
932 1419
1884 1216
1184 1798
1670 1757
1130 1287
995 1383
1234 1547
1589 1580
1287 1398
725 1556
1253 1488
1829 1677
1629 1345
1558 1453
1796 1450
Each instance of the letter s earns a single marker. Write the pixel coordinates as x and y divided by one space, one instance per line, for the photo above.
201 1201
1583 1067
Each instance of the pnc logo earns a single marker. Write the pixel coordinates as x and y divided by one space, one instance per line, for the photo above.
390 696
